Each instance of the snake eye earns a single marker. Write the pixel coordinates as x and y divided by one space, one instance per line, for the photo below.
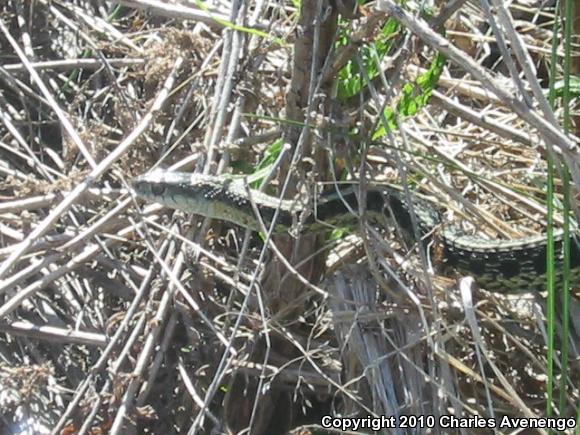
157 189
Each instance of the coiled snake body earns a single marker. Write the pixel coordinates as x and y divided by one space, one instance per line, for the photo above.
497 265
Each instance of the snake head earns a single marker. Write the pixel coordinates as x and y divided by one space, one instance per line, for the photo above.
152 185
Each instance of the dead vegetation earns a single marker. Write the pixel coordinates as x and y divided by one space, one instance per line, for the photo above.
124 317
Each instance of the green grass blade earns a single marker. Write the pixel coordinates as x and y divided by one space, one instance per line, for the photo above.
565 299
550 254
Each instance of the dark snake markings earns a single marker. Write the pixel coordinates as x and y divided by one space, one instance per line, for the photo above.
497 265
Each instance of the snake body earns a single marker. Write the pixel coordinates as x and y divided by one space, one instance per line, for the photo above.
497 265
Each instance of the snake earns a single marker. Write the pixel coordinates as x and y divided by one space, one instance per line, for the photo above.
498 265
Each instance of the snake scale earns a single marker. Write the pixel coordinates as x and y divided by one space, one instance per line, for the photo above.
497 265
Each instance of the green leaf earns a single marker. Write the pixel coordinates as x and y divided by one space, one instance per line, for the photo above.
263 168
350 80
414 96
339 233
574 87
